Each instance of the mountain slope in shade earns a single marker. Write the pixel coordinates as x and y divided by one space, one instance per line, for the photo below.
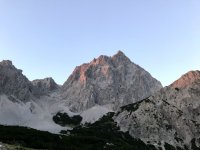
36 114
108 80
44 86
26 103
13 82
170 116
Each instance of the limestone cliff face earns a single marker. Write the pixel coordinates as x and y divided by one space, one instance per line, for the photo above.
108 80
13 82
115 81
171 116
44 86
186 80
15 85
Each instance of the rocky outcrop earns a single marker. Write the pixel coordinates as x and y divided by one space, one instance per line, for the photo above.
186 79
44 86
170 116
108 80
13 82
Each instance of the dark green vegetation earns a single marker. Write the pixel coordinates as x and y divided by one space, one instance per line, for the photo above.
194 147
101 135
31 138
107 130
14 147
134 106
63 119
104 134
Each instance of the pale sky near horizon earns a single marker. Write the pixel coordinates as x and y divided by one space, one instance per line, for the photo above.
50 37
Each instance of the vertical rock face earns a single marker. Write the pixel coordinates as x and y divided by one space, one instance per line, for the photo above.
170 116
108 80
13 82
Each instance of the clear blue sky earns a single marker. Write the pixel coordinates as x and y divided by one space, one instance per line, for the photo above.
50 37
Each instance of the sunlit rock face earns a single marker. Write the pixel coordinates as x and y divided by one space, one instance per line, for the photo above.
172 115
108 80
187 79
13 82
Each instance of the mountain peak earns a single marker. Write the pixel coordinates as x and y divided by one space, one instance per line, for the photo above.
13 82
44 86
6 63
101 60
108 80
186 79
120 53
120 57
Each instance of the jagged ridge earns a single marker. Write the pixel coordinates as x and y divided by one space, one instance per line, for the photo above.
108 80
186 79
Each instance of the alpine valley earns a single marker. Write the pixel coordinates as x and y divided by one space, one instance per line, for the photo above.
109 103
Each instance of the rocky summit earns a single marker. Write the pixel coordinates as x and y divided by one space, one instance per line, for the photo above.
13 82
170 116
108 80
187 79
44 86
16 86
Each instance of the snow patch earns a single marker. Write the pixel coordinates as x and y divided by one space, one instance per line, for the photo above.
38 114
35 114
95 113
